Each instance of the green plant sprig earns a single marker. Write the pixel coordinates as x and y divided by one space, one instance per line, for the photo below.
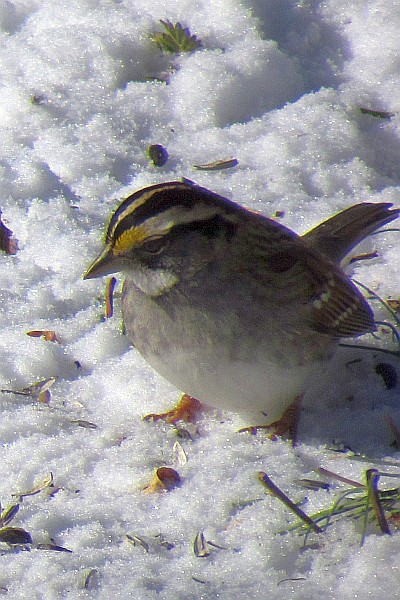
366 502
175 38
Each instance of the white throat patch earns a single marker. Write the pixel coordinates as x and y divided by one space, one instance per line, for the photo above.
154 282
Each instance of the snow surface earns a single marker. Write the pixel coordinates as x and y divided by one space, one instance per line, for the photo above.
278 85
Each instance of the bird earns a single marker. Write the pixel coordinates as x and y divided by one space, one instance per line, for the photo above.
230 306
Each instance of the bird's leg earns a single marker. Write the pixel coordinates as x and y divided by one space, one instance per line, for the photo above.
286 426
186 410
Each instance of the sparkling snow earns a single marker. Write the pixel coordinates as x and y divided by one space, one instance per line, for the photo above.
278 85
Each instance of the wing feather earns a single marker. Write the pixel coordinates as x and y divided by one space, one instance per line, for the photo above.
303 283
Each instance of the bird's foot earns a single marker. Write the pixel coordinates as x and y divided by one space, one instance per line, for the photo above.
186 410
286 426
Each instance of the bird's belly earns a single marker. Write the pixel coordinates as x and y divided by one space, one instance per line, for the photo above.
263 389
240 367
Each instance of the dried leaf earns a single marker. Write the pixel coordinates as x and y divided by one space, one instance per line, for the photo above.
197 580
226 163
163 542
44 397
89 578
48 335
8 244
164 479
85 424
135 540
38 99
7 515
47 482
179 454
380 114
201 548
52 547
35 391
291 579
39 388
312 484
15 535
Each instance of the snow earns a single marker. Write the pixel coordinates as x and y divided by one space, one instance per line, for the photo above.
278 85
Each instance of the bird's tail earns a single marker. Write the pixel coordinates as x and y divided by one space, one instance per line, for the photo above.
337 236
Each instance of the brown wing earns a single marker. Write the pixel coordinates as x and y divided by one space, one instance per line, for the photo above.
303 285
337 308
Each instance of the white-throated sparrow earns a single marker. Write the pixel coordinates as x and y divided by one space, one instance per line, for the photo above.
228 305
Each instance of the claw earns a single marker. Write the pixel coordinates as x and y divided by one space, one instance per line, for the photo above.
286 426
186 410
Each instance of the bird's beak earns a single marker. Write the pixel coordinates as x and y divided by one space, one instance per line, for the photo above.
104 264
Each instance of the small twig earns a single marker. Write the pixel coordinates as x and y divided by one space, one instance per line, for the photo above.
275 491
109 310
327 473
372 478
365 256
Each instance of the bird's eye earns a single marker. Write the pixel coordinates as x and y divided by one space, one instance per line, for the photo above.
154 245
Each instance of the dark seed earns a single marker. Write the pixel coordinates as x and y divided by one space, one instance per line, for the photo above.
158 154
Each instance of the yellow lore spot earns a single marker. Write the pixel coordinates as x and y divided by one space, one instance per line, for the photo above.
129 239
